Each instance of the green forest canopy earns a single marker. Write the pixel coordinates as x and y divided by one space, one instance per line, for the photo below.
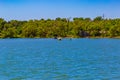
60 27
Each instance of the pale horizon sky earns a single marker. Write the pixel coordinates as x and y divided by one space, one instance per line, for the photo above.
37 9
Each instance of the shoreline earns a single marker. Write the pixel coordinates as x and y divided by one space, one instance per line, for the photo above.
68 38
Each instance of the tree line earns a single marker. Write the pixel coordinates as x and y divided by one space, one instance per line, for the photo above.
60 27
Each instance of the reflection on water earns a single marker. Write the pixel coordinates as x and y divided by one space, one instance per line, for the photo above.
49 59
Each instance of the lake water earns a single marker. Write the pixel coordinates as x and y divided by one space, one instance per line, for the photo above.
50 59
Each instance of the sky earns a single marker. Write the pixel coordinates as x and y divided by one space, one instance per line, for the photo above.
37 9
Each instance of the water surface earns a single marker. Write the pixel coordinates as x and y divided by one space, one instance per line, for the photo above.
50 59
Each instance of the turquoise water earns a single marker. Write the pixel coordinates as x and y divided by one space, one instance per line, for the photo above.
50 59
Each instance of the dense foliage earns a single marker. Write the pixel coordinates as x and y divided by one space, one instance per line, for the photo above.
60 27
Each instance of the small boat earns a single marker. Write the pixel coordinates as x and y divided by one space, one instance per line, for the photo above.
59 38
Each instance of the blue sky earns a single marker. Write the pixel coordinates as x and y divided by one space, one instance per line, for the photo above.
37 9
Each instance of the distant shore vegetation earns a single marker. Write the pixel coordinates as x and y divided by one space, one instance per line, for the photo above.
60 27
